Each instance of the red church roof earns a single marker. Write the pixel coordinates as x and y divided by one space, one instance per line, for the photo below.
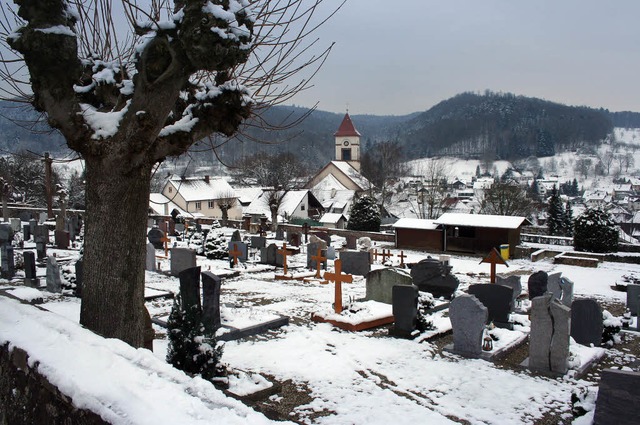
347 128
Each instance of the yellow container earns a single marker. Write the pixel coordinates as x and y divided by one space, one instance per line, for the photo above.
504 251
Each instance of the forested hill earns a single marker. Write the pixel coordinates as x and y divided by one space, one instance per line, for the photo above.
503 126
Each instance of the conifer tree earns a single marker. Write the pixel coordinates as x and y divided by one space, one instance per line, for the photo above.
555 214
215 245
595 231
568 220
365 215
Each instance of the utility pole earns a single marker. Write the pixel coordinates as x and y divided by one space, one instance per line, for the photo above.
47 184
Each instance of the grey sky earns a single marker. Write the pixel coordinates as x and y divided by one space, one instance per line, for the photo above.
397 57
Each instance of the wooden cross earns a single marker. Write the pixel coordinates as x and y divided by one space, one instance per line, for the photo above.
494 258
375 254
338 278
319 259
166 241
235 253
385 254
284 252
402 256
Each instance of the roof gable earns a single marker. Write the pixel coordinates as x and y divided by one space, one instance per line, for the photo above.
346 129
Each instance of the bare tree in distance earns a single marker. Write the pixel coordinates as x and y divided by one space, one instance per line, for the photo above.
506 198
129 84
383 164
434 175
226 200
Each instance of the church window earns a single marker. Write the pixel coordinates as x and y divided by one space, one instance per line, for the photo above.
346 154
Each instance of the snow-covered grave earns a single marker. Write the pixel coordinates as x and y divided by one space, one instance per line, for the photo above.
345 377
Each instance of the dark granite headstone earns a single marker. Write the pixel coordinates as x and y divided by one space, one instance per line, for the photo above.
269 255
294 238
618 395
355 262
54 282
211 285
41 250
79 276
512 282
498 299
61 239
26 232
351 241
549 336
537 284
382 282
468 317
405 309
312 251
32 226
15 224
258 242
235 236
190 287
6 233
431 275
633 291
155 236
182 259
279 233
29 264
241 247
41 234
324 236
8 265
586 322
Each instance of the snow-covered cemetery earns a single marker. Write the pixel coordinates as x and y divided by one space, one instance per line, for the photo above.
479 266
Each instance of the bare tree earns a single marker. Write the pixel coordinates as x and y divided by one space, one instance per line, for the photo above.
506 198
383 164
129 84
430 197
225 202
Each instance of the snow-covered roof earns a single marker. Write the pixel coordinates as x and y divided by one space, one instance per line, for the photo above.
483 184
290 202
162 205
332 218
353 174
334 198
481 220
328 183
415 223
201 189
246 195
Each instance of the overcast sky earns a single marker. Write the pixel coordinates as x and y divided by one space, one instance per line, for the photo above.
398 57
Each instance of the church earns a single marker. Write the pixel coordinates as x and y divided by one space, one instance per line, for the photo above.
338 182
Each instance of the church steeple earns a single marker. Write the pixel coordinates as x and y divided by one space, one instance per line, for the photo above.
347 140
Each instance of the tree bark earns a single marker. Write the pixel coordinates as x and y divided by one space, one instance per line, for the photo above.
113 289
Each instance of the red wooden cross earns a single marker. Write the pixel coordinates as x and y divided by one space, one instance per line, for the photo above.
494 258
338 278
166 241
284 252
319 259
375 254
235 253
402 256
385 254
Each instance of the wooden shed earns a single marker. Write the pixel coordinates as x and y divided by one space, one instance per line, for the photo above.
415 233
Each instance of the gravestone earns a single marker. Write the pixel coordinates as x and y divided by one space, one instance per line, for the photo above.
633 303
618 395
32 226
235 236
6 234
351 241
155 237
41 234
179 227
242 248
468 317
150 261
25 216
553 284
549 336
190 287
512 282
312 251
269 255
294 238
431 275
355 262
331 253
381 283
258 242
404 299
323 236
26 232
61 239
182 259
42 217
30 269
68 226
211 285
15 224
586 322
41 250
498 299
54 282
8 265
279 233
537 284
567 291
79 276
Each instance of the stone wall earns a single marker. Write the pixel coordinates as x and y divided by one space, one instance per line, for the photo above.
374 236
26 397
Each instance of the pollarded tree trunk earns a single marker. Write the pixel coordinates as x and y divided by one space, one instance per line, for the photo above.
117 208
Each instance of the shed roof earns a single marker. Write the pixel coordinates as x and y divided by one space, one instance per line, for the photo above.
415 223
481 220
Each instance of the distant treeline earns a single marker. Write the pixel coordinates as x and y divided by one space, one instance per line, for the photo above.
625 119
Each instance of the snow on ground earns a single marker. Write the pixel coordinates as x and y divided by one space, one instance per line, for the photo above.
363 377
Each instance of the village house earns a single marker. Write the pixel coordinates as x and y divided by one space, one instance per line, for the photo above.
296 204
334 221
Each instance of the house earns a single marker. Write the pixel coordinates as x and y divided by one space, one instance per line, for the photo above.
597 198
160 205
481 185
334 221
202 196
300 204
622 191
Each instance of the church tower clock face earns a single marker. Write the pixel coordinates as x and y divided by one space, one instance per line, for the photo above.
345 143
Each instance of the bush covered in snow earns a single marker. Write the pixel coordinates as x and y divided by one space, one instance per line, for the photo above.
215 245
191 349
595 231
365 215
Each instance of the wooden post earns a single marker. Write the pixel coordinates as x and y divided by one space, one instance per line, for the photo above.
338 278
235 253
402 256
494 258
284 254
319 259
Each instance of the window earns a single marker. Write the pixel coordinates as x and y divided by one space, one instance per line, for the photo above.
211 205
346 154
302 207
198 205
170 189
